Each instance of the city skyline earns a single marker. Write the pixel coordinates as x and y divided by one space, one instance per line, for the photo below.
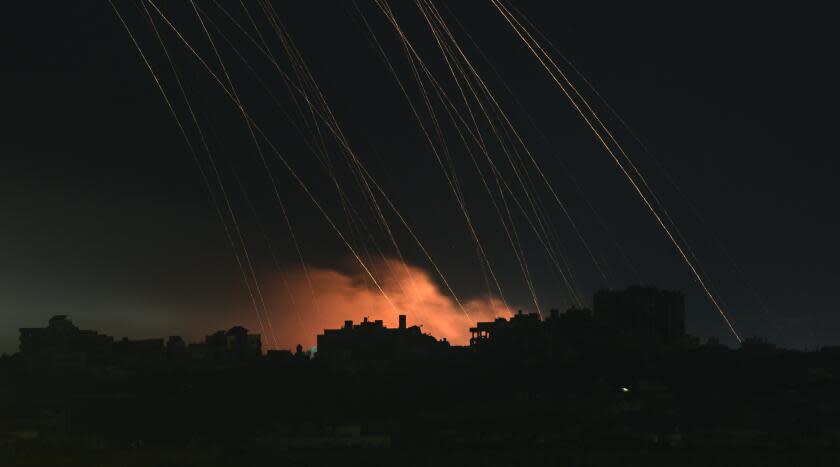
632 319
423 232
109 220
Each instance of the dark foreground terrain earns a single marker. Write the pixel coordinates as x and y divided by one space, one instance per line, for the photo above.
705 406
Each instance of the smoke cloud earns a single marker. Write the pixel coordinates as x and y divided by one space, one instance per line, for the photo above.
302 304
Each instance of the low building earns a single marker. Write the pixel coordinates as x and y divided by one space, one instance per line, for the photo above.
370 344
62 344
233 345
130 353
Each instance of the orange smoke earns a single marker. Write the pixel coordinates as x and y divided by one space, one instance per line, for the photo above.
302 307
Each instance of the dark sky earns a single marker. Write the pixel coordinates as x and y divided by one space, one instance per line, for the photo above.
106 218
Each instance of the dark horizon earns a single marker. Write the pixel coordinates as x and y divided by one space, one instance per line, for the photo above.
621 384
408 321
403 321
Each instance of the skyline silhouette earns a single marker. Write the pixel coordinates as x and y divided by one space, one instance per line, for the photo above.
416 233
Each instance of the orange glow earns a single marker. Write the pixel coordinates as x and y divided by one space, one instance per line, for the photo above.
299 312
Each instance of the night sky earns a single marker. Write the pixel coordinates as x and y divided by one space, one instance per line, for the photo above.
105 216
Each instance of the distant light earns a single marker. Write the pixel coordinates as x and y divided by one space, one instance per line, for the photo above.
623 389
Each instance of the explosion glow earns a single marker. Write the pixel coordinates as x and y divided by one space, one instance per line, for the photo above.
462 122
299 312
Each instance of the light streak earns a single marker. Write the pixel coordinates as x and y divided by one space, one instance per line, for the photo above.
542 57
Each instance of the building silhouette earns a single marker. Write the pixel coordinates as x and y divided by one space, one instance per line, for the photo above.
370 344
63 344
234 345
637 317
646 315
139 353
634 318
529 335
611 380
524 332
176 349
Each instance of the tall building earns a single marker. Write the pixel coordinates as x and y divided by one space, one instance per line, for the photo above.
233 345
645 314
